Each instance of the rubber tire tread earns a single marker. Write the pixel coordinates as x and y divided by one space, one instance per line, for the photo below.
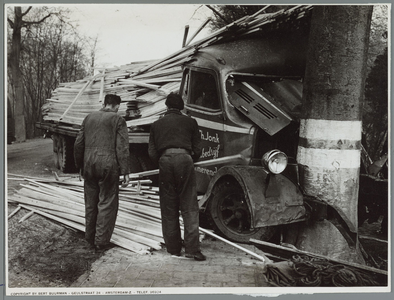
55 139
263 233
67 149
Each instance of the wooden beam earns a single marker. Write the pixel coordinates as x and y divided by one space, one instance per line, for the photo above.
263 258
139 83
25 217
185 35
205 163
75 99
14 212
198 30
101 98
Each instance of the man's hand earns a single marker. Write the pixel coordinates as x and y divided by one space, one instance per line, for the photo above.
126 180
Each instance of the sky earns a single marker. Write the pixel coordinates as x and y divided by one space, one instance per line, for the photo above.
134 32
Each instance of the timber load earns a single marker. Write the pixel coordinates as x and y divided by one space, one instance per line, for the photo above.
138 224
143 86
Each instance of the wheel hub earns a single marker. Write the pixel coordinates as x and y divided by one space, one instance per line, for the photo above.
238 214
234 213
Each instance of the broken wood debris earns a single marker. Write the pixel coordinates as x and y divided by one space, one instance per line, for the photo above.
25 217
138 225
14 212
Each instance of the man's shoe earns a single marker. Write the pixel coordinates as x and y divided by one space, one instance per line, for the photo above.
197 256
177 255
100 248
90 244
90 241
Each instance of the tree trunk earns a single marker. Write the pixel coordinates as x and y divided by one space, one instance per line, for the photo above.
330 129
17 80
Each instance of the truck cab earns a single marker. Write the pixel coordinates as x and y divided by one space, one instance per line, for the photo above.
246 97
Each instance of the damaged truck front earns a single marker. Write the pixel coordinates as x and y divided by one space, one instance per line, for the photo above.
246 97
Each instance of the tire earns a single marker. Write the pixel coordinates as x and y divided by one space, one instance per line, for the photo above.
55 140
146 164
135 166
65 154
230 215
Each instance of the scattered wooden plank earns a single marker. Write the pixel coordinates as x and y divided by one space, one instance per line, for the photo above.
122 242
198 31
25 217
138 225
14 212
263 258
210 162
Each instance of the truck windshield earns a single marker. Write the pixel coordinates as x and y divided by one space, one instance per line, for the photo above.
203 90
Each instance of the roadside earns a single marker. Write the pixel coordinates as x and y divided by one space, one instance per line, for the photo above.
41 252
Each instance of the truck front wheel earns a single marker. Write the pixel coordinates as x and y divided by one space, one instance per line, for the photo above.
230 215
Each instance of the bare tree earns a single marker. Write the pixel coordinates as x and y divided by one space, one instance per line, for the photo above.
50 52
14 64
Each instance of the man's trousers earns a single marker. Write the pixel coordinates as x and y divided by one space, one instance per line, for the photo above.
178 192
101 207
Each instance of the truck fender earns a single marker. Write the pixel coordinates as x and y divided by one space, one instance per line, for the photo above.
272 199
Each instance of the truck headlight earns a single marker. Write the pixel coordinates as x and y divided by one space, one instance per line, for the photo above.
275 161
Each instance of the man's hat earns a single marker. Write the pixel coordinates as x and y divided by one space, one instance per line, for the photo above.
175 101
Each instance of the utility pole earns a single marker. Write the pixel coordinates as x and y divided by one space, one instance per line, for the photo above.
330 128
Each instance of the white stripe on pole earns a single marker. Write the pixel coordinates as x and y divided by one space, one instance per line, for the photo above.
330 129
330 159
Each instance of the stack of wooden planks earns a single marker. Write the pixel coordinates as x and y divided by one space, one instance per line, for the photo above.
138 225
143 86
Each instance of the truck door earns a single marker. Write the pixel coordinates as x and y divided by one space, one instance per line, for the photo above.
201 93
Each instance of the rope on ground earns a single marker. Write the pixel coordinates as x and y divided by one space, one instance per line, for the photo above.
309 271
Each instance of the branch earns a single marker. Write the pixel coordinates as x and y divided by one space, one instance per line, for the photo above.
27 11
26 23
218 14
10 22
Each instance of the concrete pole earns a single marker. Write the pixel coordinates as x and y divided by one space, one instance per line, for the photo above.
330 129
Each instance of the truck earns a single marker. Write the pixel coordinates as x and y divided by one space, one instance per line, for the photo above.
245 92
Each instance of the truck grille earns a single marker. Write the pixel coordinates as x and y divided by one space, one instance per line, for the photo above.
244 96
268 114
259 106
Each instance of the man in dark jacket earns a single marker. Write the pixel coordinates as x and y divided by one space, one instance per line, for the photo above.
101 151
175 143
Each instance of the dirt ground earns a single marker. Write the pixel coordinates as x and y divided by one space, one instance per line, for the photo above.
43 253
